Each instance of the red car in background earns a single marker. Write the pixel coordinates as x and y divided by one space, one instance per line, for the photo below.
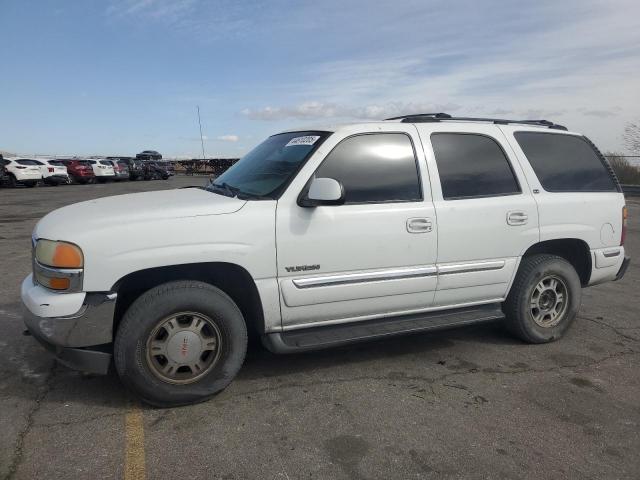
80 171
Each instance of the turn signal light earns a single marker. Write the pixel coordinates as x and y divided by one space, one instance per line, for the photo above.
59 254
59 283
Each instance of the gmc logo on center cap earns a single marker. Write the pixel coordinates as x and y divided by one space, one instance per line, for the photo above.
185 347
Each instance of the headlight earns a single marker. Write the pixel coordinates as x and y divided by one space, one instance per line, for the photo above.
58 265
59 254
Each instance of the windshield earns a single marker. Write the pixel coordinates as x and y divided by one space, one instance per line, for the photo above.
266 170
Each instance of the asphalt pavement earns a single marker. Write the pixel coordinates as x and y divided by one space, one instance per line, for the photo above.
465 403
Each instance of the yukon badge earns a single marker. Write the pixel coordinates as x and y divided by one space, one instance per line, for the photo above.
302 268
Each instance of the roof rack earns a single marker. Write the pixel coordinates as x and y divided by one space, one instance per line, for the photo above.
437 117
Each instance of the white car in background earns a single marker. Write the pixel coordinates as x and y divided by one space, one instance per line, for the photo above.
103 170
22 171
53 172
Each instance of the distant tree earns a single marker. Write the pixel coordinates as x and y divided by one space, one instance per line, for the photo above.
631 137
626 173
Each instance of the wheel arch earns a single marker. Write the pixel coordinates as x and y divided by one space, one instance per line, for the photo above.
231 278
573 250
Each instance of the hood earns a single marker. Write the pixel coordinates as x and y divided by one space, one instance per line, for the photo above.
135 209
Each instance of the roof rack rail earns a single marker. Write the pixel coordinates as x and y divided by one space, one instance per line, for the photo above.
431 115
437 117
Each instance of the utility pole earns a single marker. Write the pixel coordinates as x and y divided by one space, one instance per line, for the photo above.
201 140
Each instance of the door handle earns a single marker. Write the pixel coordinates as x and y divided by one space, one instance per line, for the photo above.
419 225
517 218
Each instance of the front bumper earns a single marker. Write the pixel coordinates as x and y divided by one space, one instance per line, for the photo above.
78 340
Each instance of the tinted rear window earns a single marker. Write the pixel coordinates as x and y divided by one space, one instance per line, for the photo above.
565 163
57 163
472 165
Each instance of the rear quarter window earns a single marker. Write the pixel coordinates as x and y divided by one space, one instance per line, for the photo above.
566 163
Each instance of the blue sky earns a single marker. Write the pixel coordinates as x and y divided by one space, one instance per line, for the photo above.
120 76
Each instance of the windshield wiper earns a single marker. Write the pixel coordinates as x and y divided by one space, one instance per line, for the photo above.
231 191
225 187
251 196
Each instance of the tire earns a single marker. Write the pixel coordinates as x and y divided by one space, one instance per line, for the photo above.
183 301
13 183
544 299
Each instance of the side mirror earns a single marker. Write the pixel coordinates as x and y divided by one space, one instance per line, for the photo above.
323 191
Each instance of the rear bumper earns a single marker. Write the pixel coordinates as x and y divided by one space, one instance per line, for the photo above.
73 338
56 179
28 179
623 268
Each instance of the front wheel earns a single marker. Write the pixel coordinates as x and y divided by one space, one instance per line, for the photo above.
544 299
180 343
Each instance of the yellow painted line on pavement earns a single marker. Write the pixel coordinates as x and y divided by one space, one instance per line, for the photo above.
134 460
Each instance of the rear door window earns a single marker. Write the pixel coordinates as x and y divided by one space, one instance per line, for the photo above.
565 163
472 166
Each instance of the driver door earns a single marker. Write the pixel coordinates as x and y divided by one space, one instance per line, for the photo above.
375 254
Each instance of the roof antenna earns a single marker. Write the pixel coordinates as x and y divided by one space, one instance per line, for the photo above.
201 140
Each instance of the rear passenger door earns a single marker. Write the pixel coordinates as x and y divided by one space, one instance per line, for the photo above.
487 217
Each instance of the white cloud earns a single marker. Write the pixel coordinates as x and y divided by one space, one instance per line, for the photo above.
229 138
319 110
583 73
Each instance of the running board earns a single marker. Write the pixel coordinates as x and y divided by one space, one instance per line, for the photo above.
314 338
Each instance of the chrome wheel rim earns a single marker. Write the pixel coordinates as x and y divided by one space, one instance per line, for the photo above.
183 347
549 301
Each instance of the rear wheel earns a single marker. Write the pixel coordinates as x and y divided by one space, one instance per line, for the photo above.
544 299
180 343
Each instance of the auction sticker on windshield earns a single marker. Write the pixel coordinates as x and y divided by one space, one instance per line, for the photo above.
307 140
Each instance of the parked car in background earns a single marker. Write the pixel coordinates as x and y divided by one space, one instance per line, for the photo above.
149 155
121 169
103 170
170 168
154 171
4 176
80 171
135 166
54 172
23 171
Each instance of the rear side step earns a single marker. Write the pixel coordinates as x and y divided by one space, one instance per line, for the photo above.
315 338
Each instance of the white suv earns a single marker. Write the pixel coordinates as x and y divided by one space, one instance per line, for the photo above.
53 172
103 170
326 237
23 171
